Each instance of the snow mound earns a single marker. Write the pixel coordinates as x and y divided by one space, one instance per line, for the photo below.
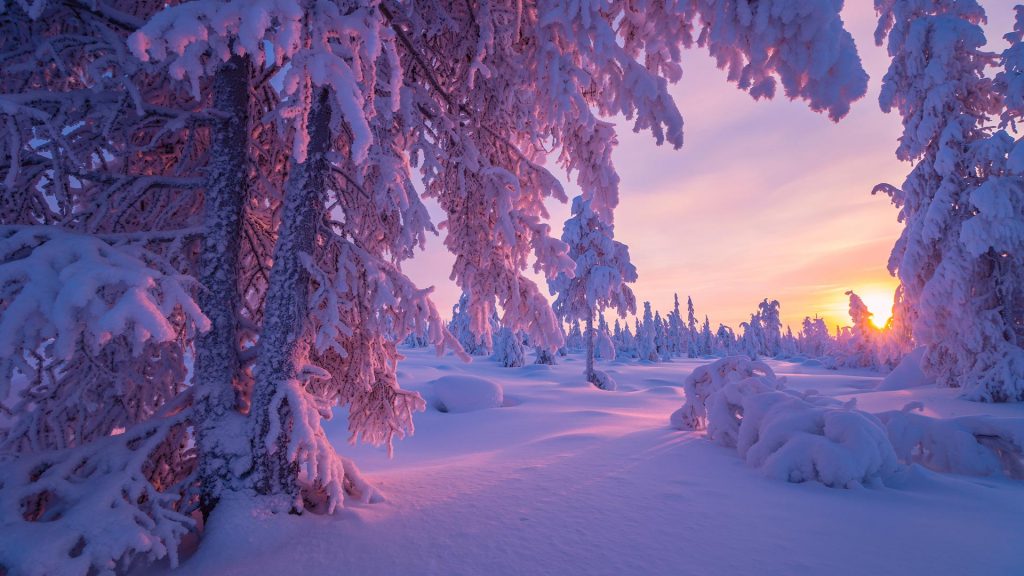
907 374
466 394
972 445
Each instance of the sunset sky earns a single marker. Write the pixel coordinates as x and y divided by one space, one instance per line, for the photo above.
765 199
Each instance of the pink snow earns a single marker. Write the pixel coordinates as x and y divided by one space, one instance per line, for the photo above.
568 479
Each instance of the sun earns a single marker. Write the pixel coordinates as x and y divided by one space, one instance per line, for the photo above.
879 303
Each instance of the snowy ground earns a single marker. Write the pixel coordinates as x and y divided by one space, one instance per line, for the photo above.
568 479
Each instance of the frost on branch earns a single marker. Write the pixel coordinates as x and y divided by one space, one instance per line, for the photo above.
101 507
59 288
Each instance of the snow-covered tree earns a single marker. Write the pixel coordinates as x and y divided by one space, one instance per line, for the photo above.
627 343
858 346
508 349
692 343
771 327
603 270
676 329
751 342
953 278
813 339
574 339
725 340
706 339
460 327
661 343
994 237
264 151
646 339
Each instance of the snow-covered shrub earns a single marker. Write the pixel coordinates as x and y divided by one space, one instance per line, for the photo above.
466 394
798 438
974 445
544 356
706 381
602 380
785 434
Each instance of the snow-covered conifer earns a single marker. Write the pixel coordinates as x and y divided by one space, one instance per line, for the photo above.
952 276
508 349
603 270
265 150
692 343
646 343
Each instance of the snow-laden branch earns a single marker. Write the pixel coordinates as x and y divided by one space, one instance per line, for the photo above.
58 288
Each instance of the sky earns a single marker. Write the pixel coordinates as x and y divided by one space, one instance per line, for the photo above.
766 199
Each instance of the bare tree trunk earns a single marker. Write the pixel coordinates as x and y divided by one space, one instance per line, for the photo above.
216 360
283 345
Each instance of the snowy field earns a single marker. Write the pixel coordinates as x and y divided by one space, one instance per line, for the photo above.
564 478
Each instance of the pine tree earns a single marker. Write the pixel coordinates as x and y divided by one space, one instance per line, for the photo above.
937 81
993 236
692 345
676 331
771 327
508 349
602 271
706 339
265 150
460 327
646 343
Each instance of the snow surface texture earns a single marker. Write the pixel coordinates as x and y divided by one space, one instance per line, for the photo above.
804 436
466 394
532 487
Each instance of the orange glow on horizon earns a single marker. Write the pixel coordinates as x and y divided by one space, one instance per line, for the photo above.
879 303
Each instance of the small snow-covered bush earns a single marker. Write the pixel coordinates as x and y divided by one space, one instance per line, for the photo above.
785 434
973 445
705 381
544 356
602 380
798 438
466 394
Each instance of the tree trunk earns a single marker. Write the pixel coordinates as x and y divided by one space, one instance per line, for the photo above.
284 347
216 356
591 377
